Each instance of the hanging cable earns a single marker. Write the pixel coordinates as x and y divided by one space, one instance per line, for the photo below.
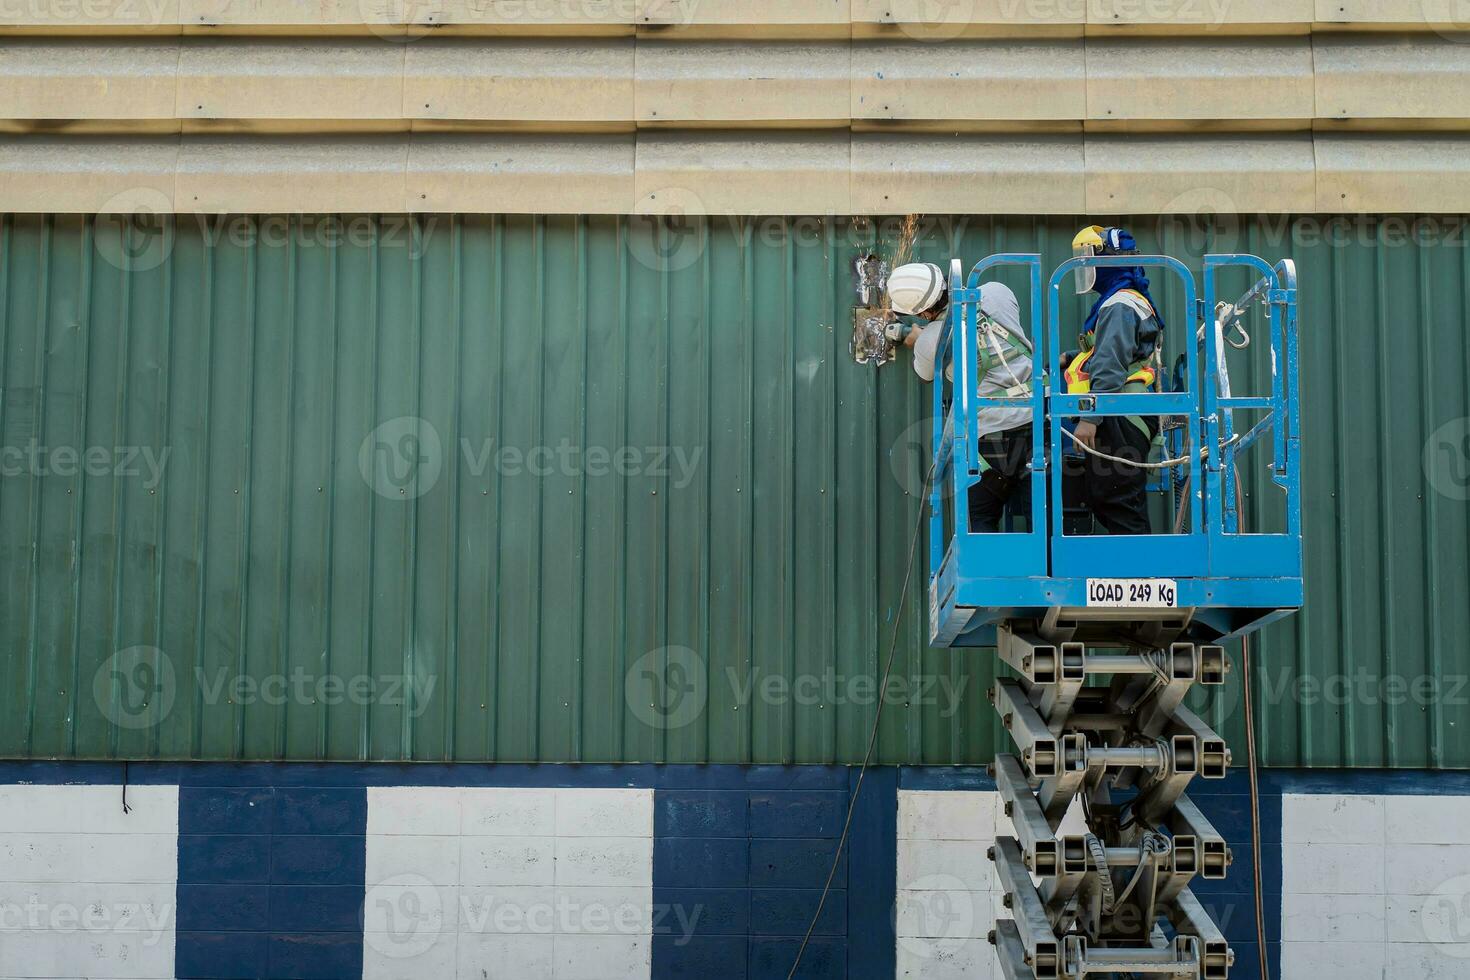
1162 464
873 735
1248 696
1250 764
1149 844
1099 857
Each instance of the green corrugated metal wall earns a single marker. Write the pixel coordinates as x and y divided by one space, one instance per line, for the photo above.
261 360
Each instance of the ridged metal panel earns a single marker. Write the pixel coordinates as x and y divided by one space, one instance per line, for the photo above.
293 84
728 18
682 172
263 366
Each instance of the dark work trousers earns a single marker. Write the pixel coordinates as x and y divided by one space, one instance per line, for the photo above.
1005 480
1113 492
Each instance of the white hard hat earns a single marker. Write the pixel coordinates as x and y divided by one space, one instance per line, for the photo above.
996 301
915 287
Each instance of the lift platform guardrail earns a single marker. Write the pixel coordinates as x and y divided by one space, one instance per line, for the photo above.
1224 580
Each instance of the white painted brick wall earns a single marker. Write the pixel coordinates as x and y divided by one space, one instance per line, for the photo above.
470 882
86 890
1375 887
948 895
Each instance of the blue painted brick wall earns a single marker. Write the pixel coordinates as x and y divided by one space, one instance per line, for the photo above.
748 852
271 858
1231 902
270 881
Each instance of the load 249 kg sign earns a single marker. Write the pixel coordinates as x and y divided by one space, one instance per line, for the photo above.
1133 592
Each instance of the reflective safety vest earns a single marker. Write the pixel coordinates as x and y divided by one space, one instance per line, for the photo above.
1079 382
1141 373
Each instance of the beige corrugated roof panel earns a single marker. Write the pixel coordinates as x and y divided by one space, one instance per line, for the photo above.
744 173
251 78
1392 77
1423 175
521 174
1198 17
969 174
1168 174
946 20
407 20
894 20
1446 17
1136 82
743 18
968 81
64 17
87 175
739 173
766 83
291 175
572 80
82 79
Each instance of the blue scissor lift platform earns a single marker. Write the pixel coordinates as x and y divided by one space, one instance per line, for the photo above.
1227 581
1106 634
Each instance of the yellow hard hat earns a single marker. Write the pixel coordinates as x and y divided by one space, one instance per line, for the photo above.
1091 235
1087 242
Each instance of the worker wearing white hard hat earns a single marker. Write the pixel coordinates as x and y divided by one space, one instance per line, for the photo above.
1003 352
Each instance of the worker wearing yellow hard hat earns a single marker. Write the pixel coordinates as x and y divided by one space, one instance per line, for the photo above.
1119 347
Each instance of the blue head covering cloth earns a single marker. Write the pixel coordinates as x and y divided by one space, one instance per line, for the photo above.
1111 279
